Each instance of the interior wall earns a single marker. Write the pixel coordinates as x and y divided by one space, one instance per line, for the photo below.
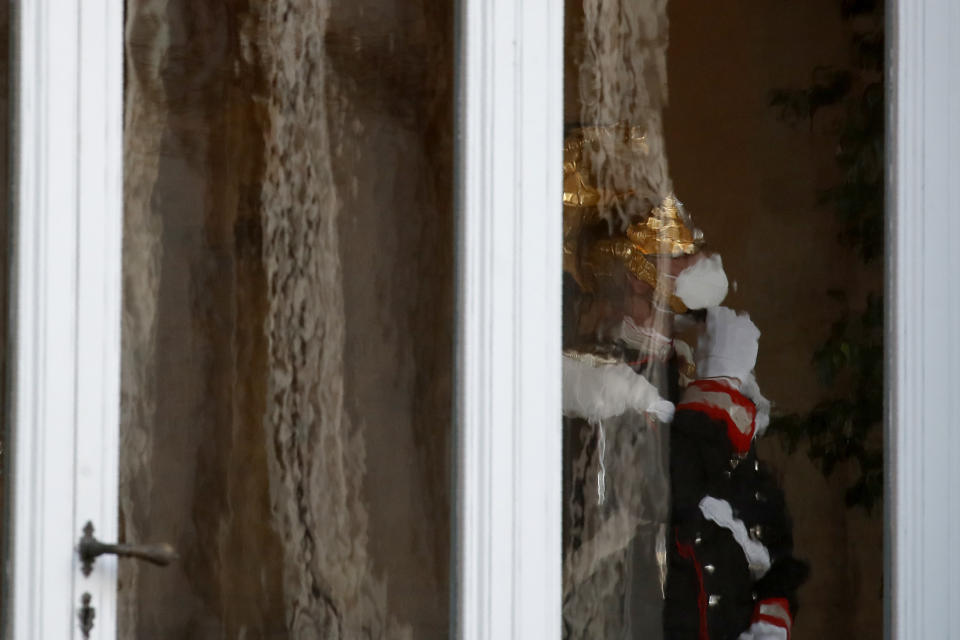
750 181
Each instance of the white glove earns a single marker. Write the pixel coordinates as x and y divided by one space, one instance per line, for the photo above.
728 347
662 409
704 284
764 631
595 390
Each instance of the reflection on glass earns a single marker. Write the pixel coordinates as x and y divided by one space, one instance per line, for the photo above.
722 320
287 325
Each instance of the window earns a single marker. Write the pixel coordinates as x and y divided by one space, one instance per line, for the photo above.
506 538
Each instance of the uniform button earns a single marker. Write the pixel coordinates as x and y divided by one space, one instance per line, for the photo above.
709 568
714 600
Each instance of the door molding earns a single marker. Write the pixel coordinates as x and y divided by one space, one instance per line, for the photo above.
923 372
510 120
65 317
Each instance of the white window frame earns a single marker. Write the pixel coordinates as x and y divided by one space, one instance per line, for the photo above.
508 531
923 312
65 316
65 309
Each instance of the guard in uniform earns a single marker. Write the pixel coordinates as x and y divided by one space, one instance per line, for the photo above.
672 526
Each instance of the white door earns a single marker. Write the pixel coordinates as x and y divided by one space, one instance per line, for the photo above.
277 308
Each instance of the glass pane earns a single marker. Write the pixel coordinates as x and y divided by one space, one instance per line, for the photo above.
723 372
288 318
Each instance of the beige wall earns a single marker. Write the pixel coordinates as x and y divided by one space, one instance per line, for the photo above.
750 181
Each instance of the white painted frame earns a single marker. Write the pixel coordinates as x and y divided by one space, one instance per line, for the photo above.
66 292
508 529
65 309
923 374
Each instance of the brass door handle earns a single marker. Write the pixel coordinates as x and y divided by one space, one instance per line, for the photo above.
90 548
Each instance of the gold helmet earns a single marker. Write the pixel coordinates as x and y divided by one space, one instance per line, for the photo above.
591 252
